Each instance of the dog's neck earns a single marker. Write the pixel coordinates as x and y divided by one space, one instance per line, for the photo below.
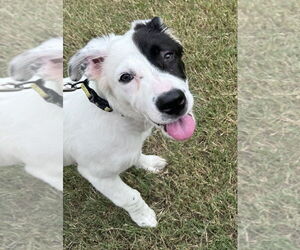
137 121
138 125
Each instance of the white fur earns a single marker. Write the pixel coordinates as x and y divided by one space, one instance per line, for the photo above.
31 128
102 144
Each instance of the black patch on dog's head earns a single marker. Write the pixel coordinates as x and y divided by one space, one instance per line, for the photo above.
159 48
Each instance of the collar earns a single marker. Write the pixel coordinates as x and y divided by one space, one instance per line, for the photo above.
94 97
47 94
38 86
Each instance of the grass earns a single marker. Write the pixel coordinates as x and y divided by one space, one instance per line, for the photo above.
25 24
269 100
30 210
195 197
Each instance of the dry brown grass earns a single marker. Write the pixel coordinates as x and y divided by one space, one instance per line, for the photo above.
269 101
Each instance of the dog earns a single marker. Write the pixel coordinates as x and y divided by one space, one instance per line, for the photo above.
31 127
142 77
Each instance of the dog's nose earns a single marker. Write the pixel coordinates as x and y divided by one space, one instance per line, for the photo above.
172 102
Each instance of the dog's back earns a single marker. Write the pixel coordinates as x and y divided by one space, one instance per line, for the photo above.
30 127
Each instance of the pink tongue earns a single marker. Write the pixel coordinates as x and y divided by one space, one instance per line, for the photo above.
181 129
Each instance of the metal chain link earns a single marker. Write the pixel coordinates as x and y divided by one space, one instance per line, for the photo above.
15 86
68 87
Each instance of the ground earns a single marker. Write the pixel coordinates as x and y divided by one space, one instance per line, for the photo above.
195 197
269 125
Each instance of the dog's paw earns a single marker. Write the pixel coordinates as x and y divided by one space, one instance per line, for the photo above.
144 218
152 163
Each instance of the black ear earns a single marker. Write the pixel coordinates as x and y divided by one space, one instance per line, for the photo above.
152 25
156 24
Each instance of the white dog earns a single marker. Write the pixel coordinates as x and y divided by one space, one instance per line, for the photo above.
31 127
141 76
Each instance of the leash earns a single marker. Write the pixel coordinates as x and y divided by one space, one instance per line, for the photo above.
90 94
47 94
12 87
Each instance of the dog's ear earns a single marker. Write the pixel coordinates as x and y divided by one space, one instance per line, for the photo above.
89 59
154 24
27 64
23 66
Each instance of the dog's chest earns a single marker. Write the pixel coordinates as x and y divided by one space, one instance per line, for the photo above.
122 149
113 149
129 151
107 140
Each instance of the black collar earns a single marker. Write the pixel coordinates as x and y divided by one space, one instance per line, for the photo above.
94 97
47 94
38 86
90 93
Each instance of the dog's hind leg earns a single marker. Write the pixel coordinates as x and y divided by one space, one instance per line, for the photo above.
123 196
151 163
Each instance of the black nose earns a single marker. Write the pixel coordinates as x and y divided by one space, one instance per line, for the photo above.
172 102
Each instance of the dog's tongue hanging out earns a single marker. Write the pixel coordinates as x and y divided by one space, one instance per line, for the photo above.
182 129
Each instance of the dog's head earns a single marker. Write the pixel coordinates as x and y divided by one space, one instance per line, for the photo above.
142 75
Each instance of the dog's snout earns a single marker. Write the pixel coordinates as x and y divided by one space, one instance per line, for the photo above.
172 102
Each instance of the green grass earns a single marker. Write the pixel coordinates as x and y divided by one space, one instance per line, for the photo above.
195 197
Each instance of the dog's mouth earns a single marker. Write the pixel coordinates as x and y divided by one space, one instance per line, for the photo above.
181 129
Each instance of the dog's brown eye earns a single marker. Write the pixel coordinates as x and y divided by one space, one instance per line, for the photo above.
126 78
168 56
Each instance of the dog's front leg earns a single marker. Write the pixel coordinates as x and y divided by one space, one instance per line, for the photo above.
123 196
151 163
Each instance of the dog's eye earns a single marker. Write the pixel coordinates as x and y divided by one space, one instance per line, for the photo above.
168 56
126 78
